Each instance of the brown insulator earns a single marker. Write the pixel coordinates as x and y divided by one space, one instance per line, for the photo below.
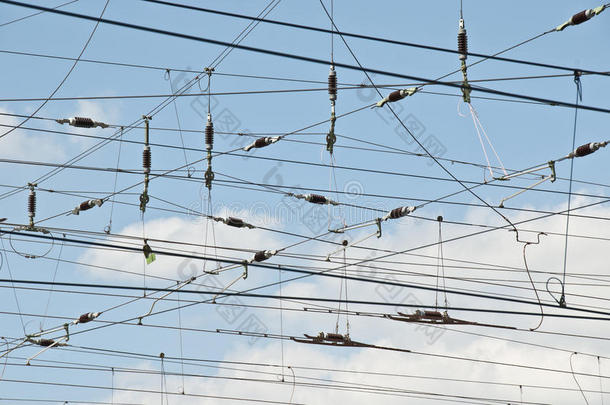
83 122
332 84
209 135
146 159
316 199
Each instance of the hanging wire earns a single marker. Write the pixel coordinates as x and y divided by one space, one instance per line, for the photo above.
108 228
440 265
180 340
112 385
562 300
279 274
576 380
599 372
10 273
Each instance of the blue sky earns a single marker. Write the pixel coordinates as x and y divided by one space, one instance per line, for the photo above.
523 135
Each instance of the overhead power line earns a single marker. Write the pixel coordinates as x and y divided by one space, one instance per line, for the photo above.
310 59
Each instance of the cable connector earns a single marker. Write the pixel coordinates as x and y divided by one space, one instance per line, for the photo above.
263 255
234 222
315 199
86 205
398 213
82 122
262 142
581 17
397 95
587 149
84 318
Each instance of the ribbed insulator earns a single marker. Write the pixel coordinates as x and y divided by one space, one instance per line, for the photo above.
82 122
146 159
209 135
462 43
32 203
316 199
332 84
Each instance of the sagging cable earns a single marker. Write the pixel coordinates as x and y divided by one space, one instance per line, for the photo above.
314 198
527 269
478 126
576 380
582 16
146 164
86 205
82 122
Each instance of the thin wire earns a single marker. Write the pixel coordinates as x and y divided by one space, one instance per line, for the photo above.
108 228
44 317
67 74
565 251
576 380
171 86
279 274
35 14
180 339
304 58
599 371
8 267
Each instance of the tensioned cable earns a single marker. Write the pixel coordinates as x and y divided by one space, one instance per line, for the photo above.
366 37
35 14
299 57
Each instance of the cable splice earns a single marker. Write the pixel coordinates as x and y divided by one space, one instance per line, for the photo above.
146 164
86 205
262 142
82 122
398 213
581 17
